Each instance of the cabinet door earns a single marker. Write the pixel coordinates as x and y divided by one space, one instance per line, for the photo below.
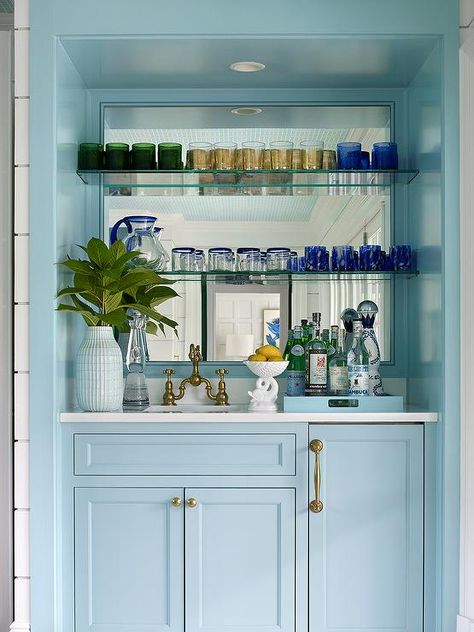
240 560
128 560
366 544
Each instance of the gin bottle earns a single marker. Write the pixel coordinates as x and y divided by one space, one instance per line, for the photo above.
358 363
338 371
316 365
333 342
296 368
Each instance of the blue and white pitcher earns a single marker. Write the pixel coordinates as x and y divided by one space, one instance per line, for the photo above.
144 237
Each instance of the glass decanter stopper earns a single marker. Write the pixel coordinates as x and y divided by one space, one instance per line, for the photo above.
135 396
367 311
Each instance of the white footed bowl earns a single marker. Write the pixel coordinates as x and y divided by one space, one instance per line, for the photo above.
266 369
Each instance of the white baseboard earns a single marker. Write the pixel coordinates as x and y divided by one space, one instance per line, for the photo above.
20 626
464 624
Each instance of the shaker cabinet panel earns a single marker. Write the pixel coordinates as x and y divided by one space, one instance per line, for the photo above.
240 560
366 543
128 560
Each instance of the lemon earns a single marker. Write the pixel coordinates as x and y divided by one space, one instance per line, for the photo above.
269 351
257 357
276 359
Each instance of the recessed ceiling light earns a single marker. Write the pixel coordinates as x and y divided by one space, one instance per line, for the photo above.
246 111
247 66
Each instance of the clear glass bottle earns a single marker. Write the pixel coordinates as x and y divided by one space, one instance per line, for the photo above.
338 371
296 368
358 363
135 396
316 364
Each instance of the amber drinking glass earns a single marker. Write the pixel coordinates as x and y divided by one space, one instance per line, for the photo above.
281 152
225 155
252 155
199 156
312 154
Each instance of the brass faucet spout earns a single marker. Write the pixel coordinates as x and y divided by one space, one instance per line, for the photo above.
195 379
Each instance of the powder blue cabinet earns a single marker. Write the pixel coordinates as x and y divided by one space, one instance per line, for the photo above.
366 544
129 559
231 551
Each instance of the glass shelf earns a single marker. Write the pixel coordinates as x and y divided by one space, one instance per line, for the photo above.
284 277
285 182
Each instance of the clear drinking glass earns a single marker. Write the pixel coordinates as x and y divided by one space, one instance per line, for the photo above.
252 155
277 259
225 155
220 259
248 259
281 153
199 156
183 259
312 154
199 260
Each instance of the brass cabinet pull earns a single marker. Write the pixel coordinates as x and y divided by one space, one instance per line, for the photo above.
176 501
316 505
192 502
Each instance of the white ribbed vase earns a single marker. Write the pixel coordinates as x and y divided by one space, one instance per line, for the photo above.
99 371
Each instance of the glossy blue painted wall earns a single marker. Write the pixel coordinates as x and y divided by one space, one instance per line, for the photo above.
58 208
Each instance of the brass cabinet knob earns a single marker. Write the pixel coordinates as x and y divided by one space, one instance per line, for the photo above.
176 501
192 502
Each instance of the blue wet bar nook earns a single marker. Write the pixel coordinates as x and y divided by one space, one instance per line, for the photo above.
245 372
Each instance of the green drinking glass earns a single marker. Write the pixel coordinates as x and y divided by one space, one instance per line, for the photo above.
142 157
117 156
170 156
90 157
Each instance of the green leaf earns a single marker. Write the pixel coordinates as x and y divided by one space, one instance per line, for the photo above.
136 278
157 295
151 313
117 317
84 313
116 250
151 328
89 315
98 252
112 302
77 265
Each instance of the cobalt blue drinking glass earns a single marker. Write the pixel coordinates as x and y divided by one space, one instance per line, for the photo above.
370 257
348 155
317 258
343 259
385 156
301 264
401 257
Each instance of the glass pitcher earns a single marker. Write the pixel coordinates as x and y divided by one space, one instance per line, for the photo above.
143 237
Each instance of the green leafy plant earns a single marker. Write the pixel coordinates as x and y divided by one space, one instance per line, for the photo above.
106 286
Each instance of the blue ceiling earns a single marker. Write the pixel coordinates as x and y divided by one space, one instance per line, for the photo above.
291 63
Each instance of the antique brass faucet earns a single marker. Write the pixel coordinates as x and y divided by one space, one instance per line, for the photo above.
221 398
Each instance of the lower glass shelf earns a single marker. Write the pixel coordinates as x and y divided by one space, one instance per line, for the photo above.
285 277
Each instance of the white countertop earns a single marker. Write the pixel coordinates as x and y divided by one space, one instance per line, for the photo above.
409 415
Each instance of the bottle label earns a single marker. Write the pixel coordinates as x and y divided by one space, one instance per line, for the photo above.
295 384
297 350
358 379
318 371
338 379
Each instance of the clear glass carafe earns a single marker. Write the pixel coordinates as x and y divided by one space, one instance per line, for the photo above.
135 396
144 237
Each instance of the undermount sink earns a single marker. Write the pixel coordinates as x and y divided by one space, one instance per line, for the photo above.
196 408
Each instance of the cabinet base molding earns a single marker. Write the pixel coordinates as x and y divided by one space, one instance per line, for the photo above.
464 624
20 626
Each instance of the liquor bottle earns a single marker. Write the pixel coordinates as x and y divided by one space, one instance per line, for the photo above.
325 337
333 341
289 344
338 372
307 329
296 367
367 312
358 362
316 365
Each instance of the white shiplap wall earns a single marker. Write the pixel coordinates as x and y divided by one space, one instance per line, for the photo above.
21 502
